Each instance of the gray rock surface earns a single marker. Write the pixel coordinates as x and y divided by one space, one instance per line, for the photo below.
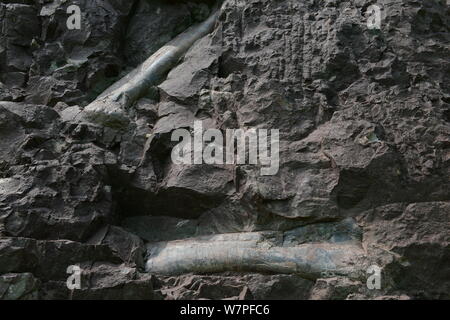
22 286
363 116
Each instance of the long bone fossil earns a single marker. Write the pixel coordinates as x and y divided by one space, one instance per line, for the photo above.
254 252
110 105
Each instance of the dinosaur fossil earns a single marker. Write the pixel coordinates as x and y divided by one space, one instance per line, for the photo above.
109 106
253 251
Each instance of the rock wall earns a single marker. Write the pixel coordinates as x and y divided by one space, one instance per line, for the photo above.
364 126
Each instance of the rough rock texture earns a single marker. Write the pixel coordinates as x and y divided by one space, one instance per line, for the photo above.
364 120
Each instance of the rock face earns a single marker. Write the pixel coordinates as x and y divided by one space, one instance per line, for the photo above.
364 121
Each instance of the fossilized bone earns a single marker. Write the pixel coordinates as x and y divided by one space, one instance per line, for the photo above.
109 106
253 251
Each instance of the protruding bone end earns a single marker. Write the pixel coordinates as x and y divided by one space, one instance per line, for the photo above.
106 112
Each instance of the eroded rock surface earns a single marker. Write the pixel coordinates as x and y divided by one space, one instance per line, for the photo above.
364 121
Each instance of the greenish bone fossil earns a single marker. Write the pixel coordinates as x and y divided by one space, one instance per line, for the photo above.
109 107
256 252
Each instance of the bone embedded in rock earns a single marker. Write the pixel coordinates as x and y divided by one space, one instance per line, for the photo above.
108 108
252 251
